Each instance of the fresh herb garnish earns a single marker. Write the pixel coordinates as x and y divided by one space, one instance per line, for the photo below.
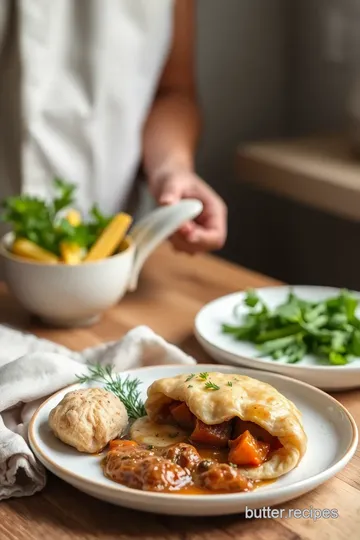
125 389
43 223
251 298
211 386
190 377
190 386
229 383
328 329
203 376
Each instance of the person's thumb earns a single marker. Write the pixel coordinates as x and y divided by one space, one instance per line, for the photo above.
171 191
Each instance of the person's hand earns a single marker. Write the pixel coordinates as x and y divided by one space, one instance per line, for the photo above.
208 232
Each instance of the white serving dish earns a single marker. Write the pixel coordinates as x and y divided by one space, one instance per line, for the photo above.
332 441
223 347
64 295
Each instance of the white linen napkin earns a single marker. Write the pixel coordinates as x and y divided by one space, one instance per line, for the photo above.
31 369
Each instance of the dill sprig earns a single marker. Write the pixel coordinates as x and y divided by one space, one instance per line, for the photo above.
211 386
203 376
125 389
191 376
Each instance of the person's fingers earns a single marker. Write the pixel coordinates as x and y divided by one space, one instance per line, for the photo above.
187 228
171 191
179 243
199 240
206 239
211 230
207 232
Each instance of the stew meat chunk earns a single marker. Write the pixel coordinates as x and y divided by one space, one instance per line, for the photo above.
182 415
221 477
183 454
169 469
141 469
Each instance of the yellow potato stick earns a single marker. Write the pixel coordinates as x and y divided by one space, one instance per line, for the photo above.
30 250
110 238
74 218
71 253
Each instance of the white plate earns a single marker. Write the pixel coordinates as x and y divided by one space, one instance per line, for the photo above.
224 348
332 440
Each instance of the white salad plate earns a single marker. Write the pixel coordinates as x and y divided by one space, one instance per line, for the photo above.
224 348
332 441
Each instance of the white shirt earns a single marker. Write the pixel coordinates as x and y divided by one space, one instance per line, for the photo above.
90 69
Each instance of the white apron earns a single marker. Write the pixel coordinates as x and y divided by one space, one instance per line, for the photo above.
90 69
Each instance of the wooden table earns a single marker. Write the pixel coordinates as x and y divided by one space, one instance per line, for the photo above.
171 291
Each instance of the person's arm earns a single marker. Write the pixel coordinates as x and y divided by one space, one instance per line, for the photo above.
172 128
170 139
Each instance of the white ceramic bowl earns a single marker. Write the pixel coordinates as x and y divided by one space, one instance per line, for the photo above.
64 295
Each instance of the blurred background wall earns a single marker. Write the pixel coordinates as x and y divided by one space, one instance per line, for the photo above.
322 65
272 69
241 75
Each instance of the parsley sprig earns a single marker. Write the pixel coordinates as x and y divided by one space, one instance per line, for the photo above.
209 385
41 221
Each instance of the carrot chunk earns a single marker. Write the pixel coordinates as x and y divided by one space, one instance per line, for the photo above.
217 435
116 443
240 426
182 415
247 451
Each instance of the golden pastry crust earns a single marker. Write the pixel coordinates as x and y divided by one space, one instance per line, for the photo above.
242 397
88 419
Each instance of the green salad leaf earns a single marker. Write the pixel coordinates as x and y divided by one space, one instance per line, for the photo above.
329 329
42 222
